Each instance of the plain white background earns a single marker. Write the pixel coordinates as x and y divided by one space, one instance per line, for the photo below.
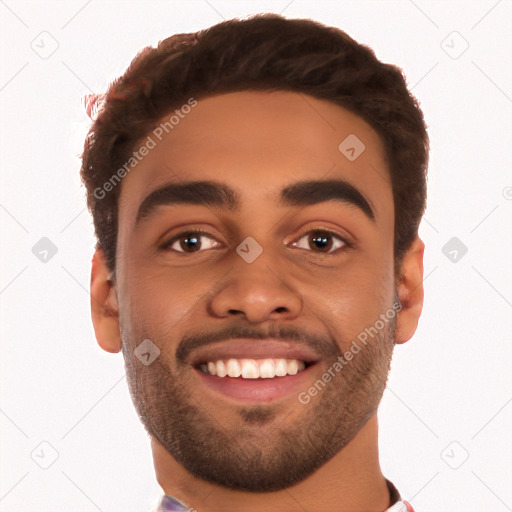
446 417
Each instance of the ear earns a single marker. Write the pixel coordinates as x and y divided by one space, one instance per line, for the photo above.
104 305
410 291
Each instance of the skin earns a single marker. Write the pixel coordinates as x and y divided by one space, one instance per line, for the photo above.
209 451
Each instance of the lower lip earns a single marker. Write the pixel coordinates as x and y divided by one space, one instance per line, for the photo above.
257 390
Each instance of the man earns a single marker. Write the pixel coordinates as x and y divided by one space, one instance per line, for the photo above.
256 190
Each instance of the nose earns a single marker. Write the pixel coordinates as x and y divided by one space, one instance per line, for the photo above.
257 292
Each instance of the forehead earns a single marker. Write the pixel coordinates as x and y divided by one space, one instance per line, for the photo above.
259 143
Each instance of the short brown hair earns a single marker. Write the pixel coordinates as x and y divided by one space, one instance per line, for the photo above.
264 52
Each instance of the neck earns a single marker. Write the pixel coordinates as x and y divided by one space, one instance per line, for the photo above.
350 482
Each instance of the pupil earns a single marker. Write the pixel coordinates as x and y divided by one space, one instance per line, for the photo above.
321 241
190 239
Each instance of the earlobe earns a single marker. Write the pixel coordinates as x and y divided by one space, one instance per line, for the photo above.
104 305
410 291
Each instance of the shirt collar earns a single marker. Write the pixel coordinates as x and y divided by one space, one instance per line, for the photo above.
169 503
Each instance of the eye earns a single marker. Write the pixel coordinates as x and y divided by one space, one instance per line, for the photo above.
325 241
189 242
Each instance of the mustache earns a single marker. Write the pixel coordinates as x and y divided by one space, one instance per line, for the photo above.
325 346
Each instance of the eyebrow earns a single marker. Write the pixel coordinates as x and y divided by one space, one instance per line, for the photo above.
220 195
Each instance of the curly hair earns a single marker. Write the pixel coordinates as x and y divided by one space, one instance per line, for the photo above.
264 52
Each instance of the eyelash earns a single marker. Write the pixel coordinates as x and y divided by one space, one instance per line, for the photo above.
166 246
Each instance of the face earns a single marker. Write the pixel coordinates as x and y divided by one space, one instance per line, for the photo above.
260 269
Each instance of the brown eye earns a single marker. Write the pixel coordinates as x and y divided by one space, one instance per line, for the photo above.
189 242
321 241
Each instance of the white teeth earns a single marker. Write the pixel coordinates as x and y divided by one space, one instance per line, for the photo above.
253 368
250 370
221 369
293 367
281 368
267 369
212 368
233 368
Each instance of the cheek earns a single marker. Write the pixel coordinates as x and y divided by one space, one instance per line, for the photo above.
161 300
156 298
354 297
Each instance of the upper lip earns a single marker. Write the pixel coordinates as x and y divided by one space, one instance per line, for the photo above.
243 348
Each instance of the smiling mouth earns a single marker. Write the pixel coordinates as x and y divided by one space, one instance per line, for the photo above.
269 368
